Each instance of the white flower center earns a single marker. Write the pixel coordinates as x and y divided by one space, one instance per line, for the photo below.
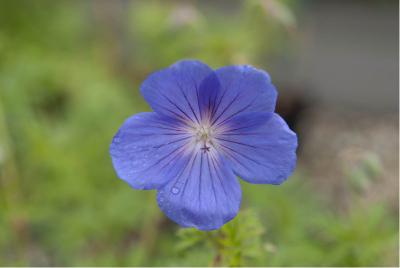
204 137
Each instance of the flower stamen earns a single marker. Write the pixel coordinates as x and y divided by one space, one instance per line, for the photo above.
203 136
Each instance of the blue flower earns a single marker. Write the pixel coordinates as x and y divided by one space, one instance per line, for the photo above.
207 128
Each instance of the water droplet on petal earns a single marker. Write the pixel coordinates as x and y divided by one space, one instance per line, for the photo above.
175 190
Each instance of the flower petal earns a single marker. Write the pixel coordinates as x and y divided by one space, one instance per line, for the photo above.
145 148
210 88
174 91
260 147
206 194
243 89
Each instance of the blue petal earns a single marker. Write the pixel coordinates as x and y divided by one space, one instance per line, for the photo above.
260 147
174 91
210 89
145 149
243 89
205 195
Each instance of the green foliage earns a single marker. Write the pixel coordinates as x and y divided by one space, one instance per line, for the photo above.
64 91
301 230
362 174
187 31
233 244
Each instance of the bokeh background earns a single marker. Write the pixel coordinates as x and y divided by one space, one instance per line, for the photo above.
69 76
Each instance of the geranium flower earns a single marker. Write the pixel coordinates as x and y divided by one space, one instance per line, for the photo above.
207 128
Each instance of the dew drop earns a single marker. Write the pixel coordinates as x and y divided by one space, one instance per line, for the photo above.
175 190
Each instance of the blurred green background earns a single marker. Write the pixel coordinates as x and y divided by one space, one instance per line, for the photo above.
69 76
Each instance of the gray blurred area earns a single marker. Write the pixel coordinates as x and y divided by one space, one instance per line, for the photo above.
347 55
340 87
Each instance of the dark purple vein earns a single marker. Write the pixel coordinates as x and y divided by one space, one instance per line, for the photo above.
200 179
225 109
220 179
212 181
191 168
160 160
187 100
244 156
177 107
240 143
241 110
171 142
